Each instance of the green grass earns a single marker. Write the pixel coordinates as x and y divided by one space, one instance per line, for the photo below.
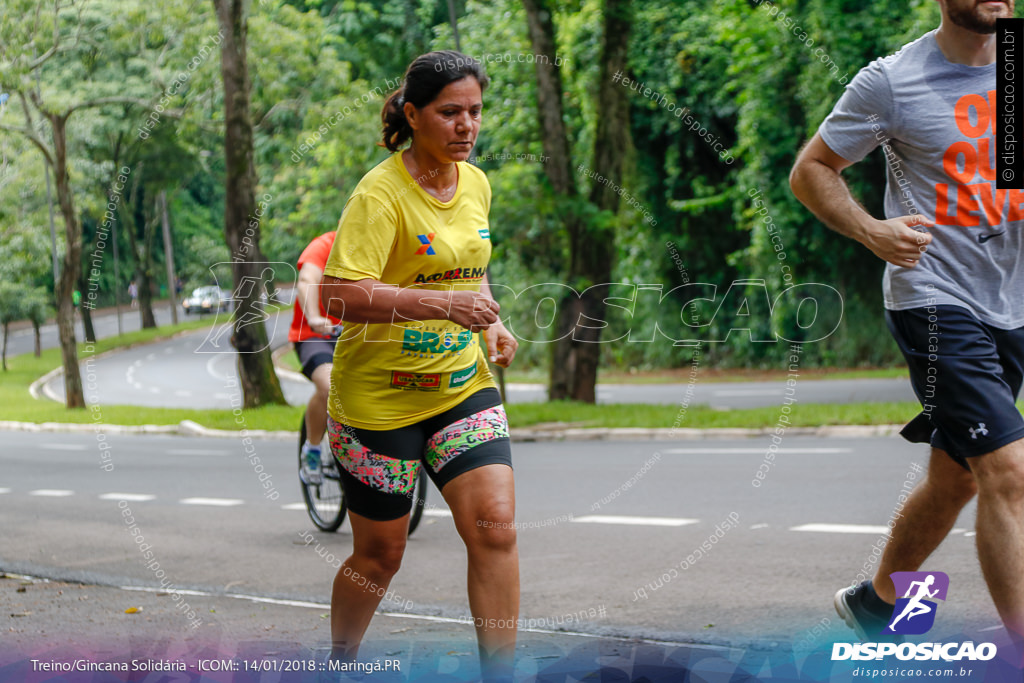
16 403
702 417
681 375
289 360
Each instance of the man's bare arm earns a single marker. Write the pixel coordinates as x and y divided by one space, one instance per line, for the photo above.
816 182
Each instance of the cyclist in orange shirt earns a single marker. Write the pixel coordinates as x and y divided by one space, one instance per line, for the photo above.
314 334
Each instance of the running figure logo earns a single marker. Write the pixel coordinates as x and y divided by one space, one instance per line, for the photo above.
914 613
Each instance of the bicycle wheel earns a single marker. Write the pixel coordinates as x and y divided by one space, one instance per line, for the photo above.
419 501
325 501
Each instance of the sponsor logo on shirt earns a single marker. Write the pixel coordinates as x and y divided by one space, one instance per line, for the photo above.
430 342
426 247
460 377
417 381
454 274
971 198
485 233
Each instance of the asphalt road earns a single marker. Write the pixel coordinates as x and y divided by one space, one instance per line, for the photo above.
105 325
598 529
197 370
192 370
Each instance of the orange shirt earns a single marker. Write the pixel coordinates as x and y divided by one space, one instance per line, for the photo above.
316 254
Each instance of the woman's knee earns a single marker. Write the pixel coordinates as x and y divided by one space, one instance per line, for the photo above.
494 529
382 558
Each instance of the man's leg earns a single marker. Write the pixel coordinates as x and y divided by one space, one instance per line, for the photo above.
1000 527
929 514
316 410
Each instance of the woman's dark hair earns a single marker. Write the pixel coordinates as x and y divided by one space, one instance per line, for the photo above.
424 79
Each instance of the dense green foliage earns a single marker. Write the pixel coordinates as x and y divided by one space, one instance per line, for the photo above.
321 70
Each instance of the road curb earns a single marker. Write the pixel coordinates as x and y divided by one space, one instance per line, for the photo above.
39 386
522 435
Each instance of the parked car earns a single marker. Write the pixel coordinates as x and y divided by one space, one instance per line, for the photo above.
207 300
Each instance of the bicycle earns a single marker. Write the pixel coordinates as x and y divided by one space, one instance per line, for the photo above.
325 502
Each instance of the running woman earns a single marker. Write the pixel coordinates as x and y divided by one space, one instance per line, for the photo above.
953 286
407 275
313 333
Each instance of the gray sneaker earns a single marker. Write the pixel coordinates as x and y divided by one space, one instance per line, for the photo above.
867 617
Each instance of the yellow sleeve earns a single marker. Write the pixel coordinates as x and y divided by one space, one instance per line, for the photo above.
366 235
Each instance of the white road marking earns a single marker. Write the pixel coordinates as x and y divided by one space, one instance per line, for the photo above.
852 529
139 497
151 356
154 390
216 359
51 493
748 392
5 490
198 451
634 521
842 528
183 392
759 526
294 506
422 617
218 502
64 447
756 451
437 513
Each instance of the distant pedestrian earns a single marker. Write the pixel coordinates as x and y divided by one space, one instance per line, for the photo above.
133 292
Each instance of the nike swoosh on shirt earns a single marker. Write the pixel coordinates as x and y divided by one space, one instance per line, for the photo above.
985 238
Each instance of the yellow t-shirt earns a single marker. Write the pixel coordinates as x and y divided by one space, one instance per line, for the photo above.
390 375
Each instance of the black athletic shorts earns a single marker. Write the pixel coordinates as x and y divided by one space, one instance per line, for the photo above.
314 352
379 468
967 376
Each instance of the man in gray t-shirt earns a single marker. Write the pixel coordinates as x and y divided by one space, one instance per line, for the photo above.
953 290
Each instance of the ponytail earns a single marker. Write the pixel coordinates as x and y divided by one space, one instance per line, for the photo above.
396 127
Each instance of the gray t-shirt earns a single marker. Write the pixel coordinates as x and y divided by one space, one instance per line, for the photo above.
935 121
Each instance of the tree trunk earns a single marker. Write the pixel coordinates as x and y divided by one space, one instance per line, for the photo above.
558 169
259 382
147 278
3 353
594 248
576 356
138 222
74 395
38 348
549 98
87 326
144 275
